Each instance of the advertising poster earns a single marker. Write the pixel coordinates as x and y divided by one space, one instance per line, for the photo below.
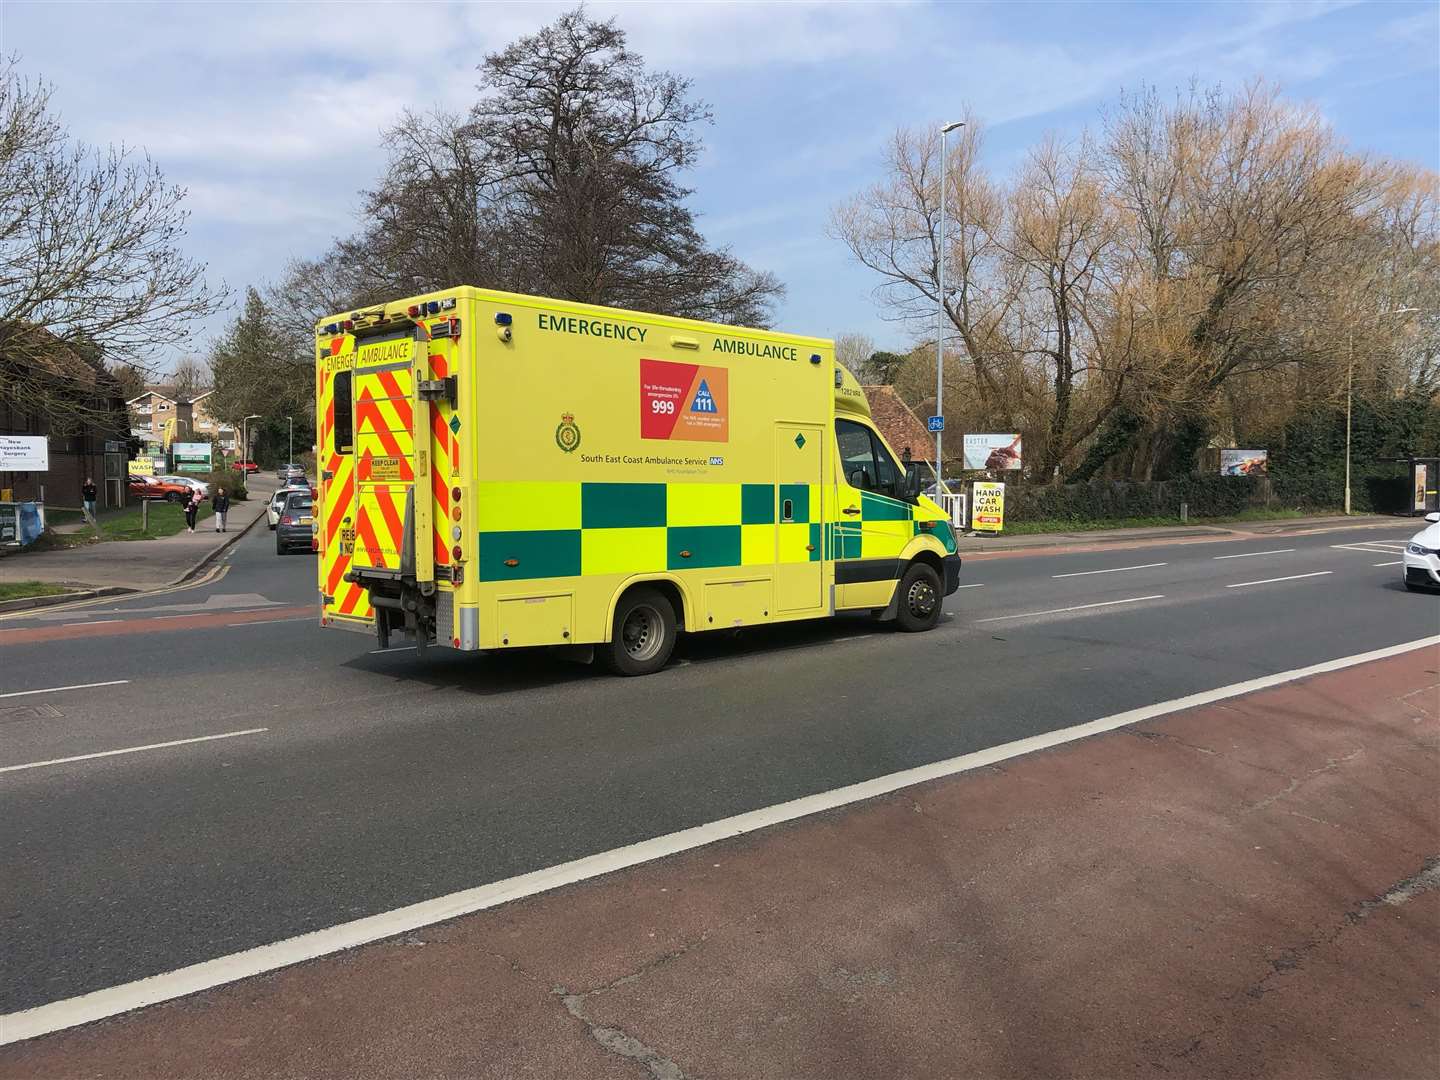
24 453
689 402
142 467
988 512
191 456
1421 475
1244 462
992 451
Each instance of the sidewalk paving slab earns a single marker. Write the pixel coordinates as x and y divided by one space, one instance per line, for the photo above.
137 565
1245 889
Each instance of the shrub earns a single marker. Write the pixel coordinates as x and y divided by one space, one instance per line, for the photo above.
232 480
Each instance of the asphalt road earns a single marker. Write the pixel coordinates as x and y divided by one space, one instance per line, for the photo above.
379 780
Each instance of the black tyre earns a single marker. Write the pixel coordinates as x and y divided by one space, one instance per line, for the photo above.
272 528
920 599
643 636
281 549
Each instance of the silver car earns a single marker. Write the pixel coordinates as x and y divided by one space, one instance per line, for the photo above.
277 501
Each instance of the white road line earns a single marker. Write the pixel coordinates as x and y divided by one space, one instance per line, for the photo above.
267 622
397 648
1397 562
1115 570
978 585
1374 548
130 750
1247 554
1272 580
1077 607
57 689
90 622
182 615
113 1000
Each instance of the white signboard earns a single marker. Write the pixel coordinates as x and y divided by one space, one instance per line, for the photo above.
992 451
24 453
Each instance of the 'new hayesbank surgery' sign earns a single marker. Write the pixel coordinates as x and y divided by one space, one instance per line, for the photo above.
24 453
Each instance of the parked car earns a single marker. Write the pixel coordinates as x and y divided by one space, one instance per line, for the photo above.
246 466
153 487
1421 567
289 467
277 501
294 532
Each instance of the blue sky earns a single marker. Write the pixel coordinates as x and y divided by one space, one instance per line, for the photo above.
270 113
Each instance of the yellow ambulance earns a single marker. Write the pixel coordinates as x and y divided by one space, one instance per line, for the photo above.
500 471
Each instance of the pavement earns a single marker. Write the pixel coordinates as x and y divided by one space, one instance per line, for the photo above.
193 776
137 565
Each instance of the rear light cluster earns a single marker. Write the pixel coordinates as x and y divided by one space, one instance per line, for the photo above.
286 519
457 553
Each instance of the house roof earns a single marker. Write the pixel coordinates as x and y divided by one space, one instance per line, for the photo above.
899 424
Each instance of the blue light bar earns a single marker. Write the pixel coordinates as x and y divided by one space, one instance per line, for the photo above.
814 358
502 318
433 306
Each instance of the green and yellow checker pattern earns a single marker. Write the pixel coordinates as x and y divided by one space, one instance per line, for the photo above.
883 529
585 529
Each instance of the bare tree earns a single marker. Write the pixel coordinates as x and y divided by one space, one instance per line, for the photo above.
563 180
89 261
854 352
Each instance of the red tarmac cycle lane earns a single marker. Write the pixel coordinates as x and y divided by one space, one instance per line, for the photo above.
27 635
1245 889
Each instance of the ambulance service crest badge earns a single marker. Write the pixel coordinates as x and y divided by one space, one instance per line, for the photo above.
567 435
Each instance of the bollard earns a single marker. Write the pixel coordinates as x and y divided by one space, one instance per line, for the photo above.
1184 513
144 515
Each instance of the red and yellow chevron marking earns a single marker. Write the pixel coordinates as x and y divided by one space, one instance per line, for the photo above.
337 537
384 471
444 448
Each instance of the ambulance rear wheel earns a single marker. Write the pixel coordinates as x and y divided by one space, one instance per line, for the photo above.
921 599
643 636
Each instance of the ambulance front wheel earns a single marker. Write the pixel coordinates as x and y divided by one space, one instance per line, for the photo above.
643 636
921 598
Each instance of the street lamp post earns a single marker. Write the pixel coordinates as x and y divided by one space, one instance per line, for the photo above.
940 307
245 436
1350 391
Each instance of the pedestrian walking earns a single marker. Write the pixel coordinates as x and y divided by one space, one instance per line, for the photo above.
192 507
88 495
220 503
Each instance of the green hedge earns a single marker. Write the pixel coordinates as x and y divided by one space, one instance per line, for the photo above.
232 480
1101 500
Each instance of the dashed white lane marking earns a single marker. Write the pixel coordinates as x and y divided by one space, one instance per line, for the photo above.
397 648
1272 580
90 622
1396 562
113 1000
1077 607
1113 570
1248 554
130 750
57 689
977 585
267 622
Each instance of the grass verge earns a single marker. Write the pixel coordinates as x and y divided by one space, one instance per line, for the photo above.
21 590
166 519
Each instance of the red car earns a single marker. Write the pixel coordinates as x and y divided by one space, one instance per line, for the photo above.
150 487
246 466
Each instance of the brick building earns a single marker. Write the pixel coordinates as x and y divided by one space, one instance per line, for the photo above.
98 449
902 429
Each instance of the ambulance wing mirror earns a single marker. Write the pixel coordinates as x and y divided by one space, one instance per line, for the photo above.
910 482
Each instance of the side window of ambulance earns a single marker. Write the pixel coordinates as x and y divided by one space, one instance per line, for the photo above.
344 419
857 454
888 473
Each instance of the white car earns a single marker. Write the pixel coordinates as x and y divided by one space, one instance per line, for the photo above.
190 482
1422 556
277 502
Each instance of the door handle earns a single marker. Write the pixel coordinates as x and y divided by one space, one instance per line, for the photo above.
851 510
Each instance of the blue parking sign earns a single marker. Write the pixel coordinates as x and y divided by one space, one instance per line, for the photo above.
935 423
